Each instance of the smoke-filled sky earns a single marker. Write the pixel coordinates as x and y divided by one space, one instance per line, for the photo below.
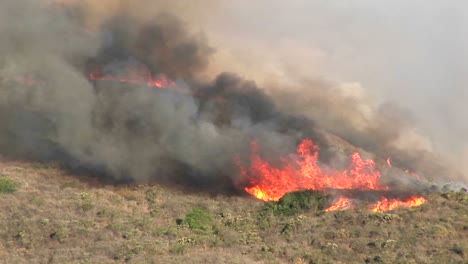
386 77
409 52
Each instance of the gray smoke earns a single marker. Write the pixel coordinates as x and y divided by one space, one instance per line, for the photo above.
51 110
379 130
130 132
41 44
406 52
162 43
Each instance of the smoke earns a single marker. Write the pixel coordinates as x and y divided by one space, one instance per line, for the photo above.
45 42
163 44
385 130
132 132
405 54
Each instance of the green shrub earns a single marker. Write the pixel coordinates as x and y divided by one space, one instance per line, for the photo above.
198 218
297 202
7 185
60 234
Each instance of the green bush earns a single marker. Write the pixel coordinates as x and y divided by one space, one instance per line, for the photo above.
198 218
60 234
297 202
7 185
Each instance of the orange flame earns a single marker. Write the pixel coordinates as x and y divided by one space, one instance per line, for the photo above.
387 205
301 172
135 75
341 204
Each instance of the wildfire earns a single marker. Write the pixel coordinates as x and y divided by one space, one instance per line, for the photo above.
342 203
142 76
301 171
414 174
136 75
386 204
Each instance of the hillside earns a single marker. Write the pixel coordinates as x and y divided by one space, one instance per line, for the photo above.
50 216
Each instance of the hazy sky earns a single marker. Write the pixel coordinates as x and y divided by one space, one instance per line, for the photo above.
410 52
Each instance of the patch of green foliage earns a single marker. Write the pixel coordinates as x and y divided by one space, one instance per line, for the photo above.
297 202
7 185
60 234
459 196
198 218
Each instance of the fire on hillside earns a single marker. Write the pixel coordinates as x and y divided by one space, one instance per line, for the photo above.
129 98
298 171
301 171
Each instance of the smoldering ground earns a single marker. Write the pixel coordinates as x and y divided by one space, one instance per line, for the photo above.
139 133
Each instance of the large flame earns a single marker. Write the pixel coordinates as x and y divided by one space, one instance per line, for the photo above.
301 171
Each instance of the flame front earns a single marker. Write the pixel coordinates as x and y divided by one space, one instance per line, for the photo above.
342 203
301 171
391 204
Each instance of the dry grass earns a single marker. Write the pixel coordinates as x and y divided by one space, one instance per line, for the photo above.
53 217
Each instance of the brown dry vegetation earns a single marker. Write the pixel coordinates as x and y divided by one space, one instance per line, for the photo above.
52 217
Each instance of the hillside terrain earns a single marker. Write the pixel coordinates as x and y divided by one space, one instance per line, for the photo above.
144 132
51 216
